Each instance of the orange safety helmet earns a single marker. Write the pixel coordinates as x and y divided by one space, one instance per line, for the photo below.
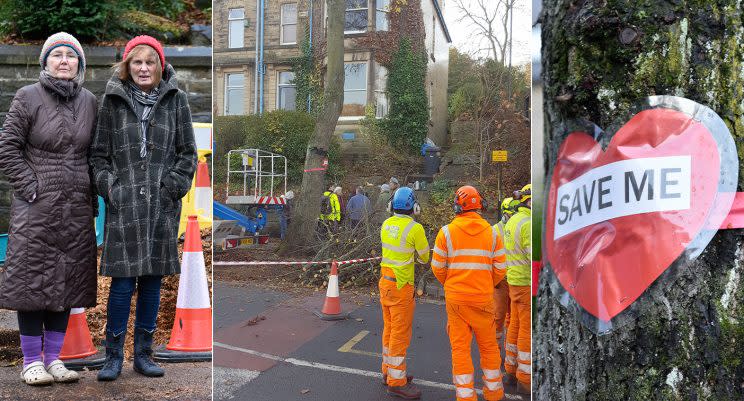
468 198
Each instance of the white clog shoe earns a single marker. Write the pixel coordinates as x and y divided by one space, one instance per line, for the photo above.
35 375
60 373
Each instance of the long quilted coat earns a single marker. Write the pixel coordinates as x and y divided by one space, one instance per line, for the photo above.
142 194
51 256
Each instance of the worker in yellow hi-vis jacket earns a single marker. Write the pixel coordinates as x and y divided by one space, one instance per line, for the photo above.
403 241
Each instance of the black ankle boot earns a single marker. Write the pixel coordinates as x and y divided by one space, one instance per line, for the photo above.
143 363
114 357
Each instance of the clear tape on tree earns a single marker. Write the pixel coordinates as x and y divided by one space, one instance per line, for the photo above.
627 210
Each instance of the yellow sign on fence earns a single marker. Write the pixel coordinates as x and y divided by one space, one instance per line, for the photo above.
498 156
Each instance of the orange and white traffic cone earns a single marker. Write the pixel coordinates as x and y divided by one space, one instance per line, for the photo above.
332 305
77 350
191 337
203 193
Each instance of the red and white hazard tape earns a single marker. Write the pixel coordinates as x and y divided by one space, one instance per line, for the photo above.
314 169
350 261
327 262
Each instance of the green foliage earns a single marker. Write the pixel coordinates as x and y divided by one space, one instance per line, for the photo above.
37 19
475 85
406 124
89 20
308 79
442 191
280 131
166 8
139 22
371 127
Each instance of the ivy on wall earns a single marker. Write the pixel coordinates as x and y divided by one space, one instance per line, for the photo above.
407 122
401 50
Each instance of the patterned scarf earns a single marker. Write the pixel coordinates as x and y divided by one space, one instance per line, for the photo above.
64 88
147 100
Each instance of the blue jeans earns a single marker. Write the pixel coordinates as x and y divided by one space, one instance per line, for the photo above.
282 223
120 297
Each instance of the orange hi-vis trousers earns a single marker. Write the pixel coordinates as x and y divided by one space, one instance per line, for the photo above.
501 306
518 346
462 322
397 315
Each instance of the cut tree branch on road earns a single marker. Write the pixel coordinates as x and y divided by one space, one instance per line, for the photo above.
307 209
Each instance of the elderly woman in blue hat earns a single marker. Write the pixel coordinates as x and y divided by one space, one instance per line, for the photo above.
51 258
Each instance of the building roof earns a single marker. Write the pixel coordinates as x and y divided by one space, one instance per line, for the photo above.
441 20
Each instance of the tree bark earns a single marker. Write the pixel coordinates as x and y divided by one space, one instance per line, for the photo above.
687 342
307 210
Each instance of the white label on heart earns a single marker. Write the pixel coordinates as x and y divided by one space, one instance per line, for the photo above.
623 188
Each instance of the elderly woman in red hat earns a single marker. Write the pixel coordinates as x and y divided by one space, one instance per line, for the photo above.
143 158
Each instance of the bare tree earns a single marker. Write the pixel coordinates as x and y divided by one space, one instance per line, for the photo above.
305 216
492 22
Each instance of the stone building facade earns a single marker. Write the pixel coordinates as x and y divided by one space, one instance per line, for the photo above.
237 87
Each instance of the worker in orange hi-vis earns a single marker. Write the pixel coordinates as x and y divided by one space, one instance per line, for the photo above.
469 260
403 242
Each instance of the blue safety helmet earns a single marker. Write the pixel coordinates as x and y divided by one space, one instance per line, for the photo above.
403 199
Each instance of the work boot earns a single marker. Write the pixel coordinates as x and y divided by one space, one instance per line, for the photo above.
407 392
114 357
409 378
143 363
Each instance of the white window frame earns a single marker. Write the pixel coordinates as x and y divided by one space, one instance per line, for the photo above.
381 92
346 10
430 97
282 24
229 30
228 88
366 88
279 87
386 11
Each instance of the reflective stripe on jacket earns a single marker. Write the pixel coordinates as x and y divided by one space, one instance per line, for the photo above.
469 259
518 244
403 238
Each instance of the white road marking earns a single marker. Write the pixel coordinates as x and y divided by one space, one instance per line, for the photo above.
343 369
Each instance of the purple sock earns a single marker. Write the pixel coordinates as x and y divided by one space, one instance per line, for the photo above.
52 345
31 347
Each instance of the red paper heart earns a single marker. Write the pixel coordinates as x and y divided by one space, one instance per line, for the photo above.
608 265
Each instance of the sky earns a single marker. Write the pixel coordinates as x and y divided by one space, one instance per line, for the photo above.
462 32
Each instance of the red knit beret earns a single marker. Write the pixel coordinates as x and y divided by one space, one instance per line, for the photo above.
145 40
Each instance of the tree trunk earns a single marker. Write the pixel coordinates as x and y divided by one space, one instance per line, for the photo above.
688 342
305 214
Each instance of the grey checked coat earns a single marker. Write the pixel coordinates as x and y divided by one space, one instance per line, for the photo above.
142 194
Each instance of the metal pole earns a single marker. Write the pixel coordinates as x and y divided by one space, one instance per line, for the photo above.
498 187
227 187
255 66
263 72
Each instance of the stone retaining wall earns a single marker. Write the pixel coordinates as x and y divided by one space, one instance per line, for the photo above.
19 66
